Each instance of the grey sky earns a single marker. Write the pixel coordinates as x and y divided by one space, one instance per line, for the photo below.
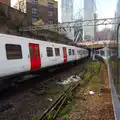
105 7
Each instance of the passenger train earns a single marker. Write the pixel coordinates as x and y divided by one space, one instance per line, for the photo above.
21 55
106 53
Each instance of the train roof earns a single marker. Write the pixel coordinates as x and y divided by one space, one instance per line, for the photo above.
24 38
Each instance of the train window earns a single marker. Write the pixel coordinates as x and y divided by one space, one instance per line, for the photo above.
102 53
70 52
57 51
37 51
109 52
13 51
80 52
64 51
73 52
49 51
31 51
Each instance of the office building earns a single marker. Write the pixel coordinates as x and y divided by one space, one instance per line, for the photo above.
89 14
67 16
47 10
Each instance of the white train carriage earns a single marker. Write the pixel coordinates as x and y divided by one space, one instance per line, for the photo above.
105 53
19 54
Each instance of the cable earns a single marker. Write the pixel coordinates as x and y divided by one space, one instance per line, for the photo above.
96 8
78 13
100 8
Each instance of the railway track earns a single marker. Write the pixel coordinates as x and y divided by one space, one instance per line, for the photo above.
32 96
52 112
59 102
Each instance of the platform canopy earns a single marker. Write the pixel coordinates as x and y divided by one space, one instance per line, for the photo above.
97 44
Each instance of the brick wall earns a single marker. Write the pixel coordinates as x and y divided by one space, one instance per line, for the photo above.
13 15
10 18
7 2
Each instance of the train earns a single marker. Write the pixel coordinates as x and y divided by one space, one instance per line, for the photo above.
106 53
20 55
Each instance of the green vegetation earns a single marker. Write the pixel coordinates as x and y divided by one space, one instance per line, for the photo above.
95 84
35 118
50 115
53 91
69 95
65 111
95 65
87 75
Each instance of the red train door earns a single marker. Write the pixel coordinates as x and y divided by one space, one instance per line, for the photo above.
65 54
34 56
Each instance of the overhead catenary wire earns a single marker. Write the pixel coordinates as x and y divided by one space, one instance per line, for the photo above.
100 8
96 8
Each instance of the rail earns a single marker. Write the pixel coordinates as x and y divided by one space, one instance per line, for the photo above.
57 105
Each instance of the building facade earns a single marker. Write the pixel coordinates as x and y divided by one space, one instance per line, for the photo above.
47 10
104 34
118 9
7 2
67 10
117 14
89 14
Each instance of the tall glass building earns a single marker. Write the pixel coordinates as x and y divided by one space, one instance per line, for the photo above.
89 13
67 16
87 9
67 10
117 13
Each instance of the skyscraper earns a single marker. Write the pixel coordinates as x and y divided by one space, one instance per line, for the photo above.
89 13
117 13
67 16
67 10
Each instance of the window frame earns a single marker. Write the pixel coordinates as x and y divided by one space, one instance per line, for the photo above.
73 52
35 2
34 11
50 21
50 5
52 55
70 52
13 50
57 54
50 13
102 53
